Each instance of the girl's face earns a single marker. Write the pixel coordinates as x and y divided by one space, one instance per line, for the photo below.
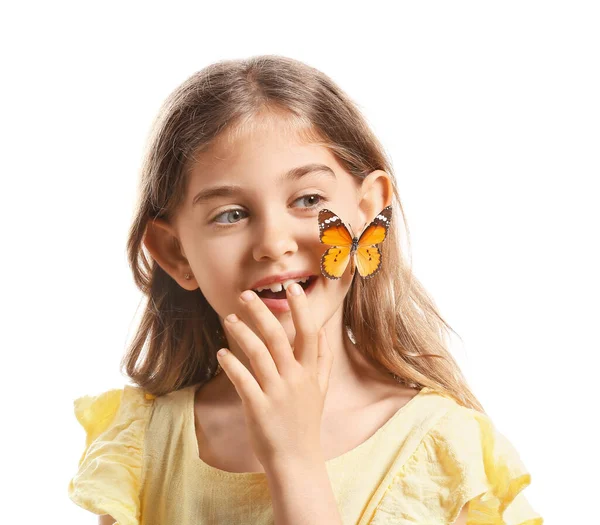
265 224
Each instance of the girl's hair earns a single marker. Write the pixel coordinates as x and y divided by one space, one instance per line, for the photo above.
391 317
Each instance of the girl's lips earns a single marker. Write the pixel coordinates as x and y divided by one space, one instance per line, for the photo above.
282 305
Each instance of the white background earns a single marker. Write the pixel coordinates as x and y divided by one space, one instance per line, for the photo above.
491 114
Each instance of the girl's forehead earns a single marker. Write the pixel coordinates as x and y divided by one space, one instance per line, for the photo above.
263 151
248 138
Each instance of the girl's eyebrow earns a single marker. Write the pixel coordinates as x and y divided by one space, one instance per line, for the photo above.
229 190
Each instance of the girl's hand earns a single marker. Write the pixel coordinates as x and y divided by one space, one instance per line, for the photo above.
284 405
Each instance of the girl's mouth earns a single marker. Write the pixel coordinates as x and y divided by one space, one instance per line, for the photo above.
277 301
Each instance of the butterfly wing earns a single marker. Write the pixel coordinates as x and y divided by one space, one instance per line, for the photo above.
334 261
333 232
368 256
368 260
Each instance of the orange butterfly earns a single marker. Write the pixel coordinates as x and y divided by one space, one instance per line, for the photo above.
361 252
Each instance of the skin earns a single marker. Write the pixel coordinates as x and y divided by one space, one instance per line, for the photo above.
294 367
275 232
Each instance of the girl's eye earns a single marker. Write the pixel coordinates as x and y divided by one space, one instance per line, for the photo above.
310 196
236 212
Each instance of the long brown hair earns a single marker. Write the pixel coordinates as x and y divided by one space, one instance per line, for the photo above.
391 317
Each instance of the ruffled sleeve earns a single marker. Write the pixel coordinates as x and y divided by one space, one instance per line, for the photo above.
109 477
462 459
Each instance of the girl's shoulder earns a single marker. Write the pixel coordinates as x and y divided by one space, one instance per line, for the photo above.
458 456
109 474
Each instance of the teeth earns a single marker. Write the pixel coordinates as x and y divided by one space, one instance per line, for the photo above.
290 281
277 287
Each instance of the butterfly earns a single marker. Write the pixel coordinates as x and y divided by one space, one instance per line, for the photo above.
361 251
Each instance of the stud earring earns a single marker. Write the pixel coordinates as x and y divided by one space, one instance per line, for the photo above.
187 276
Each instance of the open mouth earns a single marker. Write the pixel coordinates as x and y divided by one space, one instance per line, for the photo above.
269 294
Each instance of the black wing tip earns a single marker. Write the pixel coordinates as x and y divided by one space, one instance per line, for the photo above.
326 210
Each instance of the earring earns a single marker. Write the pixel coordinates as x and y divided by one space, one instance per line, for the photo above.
187 276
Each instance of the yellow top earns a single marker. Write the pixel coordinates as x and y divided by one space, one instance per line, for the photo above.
141 465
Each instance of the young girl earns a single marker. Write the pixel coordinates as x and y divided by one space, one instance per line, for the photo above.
337 399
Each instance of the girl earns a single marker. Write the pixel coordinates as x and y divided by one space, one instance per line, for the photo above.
337 399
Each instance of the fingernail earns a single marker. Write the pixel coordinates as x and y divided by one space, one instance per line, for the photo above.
222 352
248 295
295 289
232 318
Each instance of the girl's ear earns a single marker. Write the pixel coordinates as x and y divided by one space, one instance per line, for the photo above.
375 193
161 240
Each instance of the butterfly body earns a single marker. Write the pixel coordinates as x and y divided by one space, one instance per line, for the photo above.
353 250
361 252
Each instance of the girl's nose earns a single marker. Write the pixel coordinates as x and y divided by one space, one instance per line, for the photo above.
273 240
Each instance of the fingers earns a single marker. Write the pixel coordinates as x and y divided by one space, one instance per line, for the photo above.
243 381
306 340
270 329
262 362
268 348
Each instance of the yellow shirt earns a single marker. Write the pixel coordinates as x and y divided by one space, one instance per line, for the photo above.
141 465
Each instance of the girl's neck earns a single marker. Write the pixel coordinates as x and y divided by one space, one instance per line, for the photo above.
355 381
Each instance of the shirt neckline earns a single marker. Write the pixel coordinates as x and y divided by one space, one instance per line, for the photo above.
191 436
